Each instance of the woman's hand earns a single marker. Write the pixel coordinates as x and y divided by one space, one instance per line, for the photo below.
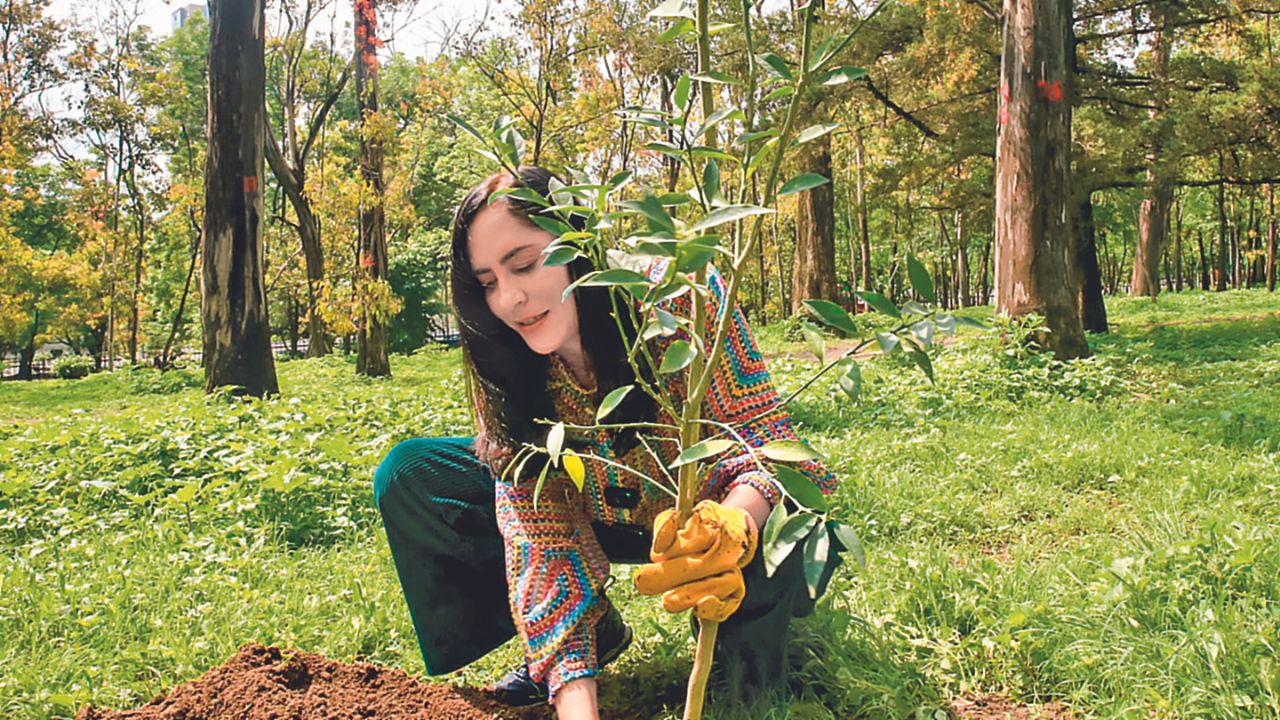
698 565
576 700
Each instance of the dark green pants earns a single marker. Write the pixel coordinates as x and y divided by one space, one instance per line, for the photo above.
437 504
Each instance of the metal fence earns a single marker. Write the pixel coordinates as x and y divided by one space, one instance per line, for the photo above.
440 331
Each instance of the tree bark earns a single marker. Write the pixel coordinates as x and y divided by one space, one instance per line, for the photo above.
1033 172
865 238
962 262
814 276
1153 219
1093 309
237 335
1272 231
1204 261
371 348
1220 272
1177 247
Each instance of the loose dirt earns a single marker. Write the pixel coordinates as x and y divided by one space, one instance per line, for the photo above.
998 707
267 683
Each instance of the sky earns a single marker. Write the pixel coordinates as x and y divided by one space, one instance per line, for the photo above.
418 35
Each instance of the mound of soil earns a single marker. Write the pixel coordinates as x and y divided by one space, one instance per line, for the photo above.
993 707
266 683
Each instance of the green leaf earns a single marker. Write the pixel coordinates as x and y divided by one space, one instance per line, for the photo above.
779 93
673 8
677 357
717 117
520 193
793 531
615 276
880 303
715 76
920 280
683 26
612 401
817 343
746 137
652 209
551 225
921 359
801 488
888 342
555 441
777 64
681 96
702 451
542 480
711 181
840 75
815 558
619 180
663 323
946 324
562 255
801 183
923 331
466 127
727 214
789 451
674 199
832 314
706 151
850 379
823 52
849 539
813 132
773 526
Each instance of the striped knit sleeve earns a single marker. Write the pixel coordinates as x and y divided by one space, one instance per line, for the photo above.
742 394
555 574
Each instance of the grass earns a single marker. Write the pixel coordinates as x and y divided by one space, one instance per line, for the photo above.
1101 533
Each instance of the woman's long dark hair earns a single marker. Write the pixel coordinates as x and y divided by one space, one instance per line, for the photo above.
509 380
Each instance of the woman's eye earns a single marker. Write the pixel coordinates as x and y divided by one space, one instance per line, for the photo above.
526 268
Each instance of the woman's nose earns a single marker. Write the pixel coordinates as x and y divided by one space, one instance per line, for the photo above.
514 296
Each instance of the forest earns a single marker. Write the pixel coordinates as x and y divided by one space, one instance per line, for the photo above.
1173 133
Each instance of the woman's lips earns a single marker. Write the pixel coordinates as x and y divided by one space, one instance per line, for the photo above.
526 326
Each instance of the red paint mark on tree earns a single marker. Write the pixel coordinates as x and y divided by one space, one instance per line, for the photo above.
250 184
1052 91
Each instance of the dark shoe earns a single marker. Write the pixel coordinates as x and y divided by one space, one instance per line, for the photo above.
518 689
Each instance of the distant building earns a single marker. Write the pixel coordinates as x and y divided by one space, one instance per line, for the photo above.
185 13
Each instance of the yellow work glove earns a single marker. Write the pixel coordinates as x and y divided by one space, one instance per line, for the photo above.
699 565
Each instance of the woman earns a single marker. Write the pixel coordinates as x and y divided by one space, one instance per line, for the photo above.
465 540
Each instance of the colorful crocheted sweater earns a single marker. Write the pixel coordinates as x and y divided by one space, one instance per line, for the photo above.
556 570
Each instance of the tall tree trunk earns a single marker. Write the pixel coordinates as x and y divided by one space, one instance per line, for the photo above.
864 236
814 276
371 348
1093 309
237 334
1272 231
1220 272
1177 247
962 262
1204 260
1153 220
1033 173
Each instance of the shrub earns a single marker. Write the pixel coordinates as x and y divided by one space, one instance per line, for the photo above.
73 367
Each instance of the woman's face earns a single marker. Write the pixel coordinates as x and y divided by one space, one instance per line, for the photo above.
506 257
